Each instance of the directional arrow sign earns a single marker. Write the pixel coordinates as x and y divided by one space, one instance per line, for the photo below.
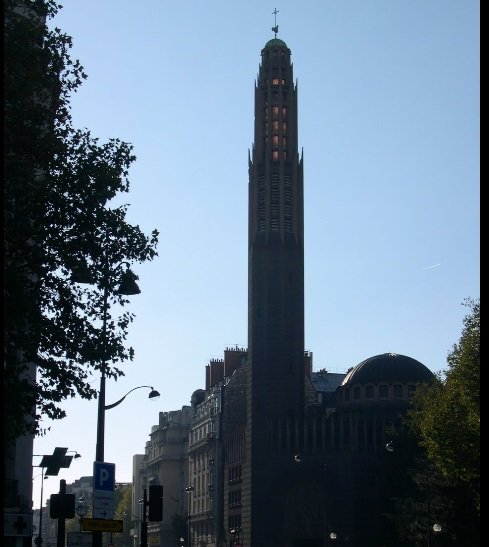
103 504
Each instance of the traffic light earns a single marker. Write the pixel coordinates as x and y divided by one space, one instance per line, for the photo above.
155 503
62 506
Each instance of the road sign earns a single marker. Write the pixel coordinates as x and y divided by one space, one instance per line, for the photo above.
103 504
79 539
103 490
101 525
103 476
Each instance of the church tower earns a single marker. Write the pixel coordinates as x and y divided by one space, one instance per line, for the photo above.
276 358
276 240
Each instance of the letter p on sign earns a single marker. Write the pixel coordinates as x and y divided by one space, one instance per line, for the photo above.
104 476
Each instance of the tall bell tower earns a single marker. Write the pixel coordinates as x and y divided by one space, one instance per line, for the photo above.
276 358
276 242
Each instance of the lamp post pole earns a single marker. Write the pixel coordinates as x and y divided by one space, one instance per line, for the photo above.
128 287
189 491
99 455
100 449
39 539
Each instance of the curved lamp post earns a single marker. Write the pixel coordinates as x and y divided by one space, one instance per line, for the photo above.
101 418
100 452
153 395
127 287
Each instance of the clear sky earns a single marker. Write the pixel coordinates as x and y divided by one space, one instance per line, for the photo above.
389 123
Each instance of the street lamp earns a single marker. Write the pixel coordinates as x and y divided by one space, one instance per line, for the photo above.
127 287
189 489
81 509
153 395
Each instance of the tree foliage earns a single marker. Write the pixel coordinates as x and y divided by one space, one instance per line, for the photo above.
446 420
59 183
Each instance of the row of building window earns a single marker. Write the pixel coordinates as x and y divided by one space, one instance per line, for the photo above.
275 128
275 113
201 463
382 391
201 434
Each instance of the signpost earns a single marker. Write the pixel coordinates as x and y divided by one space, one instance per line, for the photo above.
103 490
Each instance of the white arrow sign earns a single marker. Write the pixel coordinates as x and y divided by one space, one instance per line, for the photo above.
103 504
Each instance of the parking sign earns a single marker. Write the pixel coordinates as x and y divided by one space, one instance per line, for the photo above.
103 490
104 476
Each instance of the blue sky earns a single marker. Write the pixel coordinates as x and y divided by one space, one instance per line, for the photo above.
389 123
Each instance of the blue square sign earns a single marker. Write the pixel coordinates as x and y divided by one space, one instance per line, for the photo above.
104 476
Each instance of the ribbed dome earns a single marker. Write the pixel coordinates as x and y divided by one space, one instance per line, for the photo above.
275 42
388 367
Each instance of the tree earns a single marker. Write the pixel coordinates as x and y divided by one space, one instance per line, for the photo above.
123 503
446 419
59 183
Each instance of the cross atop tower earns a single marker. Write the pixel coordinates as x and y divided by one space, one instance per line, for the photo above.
275 28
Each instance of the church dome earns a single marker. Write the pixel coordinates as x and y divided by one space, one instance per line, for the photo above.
388 367
275 42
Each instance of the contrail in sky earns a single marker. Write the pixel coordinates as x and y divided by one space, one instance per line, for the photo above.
431 267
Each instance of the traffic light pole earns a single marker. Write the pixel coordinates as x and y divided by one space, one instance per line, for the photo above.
61 519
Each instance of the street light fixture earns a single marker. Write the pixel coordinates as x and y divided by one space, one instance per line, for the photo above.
153 395
81 509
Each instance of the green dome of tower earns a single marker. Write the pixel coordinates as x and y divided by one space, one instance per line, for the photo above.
275 42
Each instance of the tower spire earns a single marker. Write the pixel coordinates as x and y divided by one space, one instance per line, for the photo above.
275 28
